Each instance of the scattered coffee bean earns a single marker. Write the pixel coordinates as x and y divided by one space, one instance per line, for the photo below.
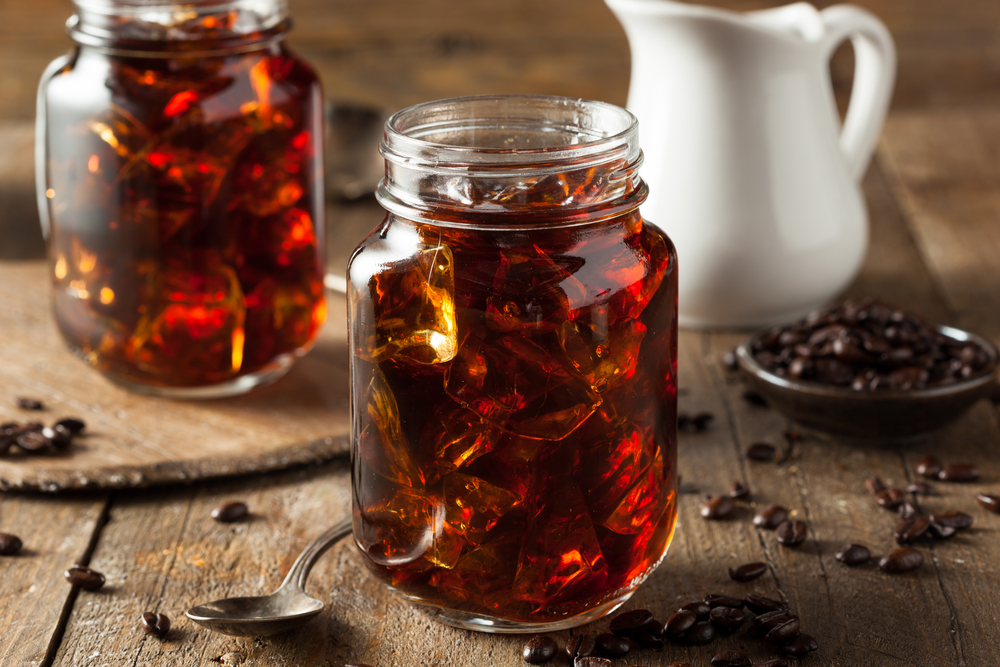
539 649
874 485
853 555
770 517
74 425
760 451
739 492
890 498
718 507
959 472
939 532
777 662
581 646
912 530
592 661
29 404
929 467
699 608
731 659
759 604
231 511
904 559
791 533
84 577
920 489
10 545
766 622
635 623
157 625
59 437
906 511
612 646
701 421
714 600
753 398
699 634
800 646
729 360
952 519
33 442
680 623
988 501
727 619
783 632
748 572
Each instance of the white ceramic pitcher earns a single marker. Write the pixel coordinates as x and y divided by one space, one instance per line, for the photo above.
750 172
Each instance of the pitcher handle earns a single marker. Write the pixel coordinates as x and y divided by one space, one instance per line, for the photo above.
874 77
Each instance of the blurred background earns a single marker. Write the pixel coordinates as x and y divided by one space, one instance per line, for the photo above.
388 54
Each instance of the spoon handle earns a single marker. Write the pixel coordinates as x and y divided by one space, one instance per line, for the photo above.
299 572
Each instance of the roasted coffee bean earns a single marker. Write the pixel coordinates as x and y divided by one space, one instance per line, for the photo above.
231 511
890 498
939 532
74 425
952 519
929 467
791 533
29 404
699 634
84 577
988 501
701 421
684 422
729 360
800 647
157 625
581 646
853 555
920 489
874 485
727 619
10 545
959 472
906 511
748 572
714 600
592 661
770 517
654 639
718 507
777 662
760 451
759 604
612 646
699 608
539 649
33 442
912 530
680 623
731 659
59 437
904 559
753 398
739 492
783 632
635 623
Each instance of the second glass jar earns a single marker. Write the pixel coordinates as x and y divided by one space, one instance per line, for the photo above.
513 336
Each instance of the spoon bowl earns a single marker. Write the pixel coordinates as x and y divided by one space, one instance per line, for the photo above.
287 608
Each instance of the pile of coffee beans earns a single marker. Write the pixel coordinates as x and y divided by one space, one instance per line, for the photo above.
35 438
868 345
695 623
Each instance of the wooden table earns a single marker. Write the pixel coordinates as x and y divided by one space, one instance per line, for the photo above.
934 197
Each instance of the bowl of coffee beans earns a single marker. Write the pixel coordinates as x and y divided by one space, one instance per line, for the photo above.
867 370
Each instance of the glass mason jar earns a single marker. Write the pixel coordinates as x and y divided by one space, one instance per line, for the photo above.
179 173
513 335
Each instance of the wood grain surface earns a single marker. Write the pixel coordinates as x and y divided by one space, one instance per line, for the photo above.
134 440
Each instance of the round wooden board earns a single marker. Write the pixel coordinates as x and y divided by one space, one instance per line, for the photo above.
134 440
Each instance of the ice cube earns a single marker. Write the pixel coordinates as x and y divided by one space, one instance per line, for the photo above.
407 526
643 503
383 447
519 386
533 292
412 317
193 323
483 575
606 357
473 506
456 436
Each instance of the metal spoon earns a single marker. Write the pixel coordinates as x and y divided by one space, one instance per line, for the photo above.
286 608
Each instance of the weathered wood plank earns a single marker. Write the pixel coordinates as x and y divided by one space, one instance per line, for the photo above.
56 533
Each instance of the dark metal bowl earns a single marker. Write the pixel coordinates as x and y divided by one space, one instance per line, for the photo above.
890 416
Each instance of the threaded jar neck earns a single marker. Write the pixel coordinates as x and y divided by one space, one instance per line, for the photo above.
511 160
